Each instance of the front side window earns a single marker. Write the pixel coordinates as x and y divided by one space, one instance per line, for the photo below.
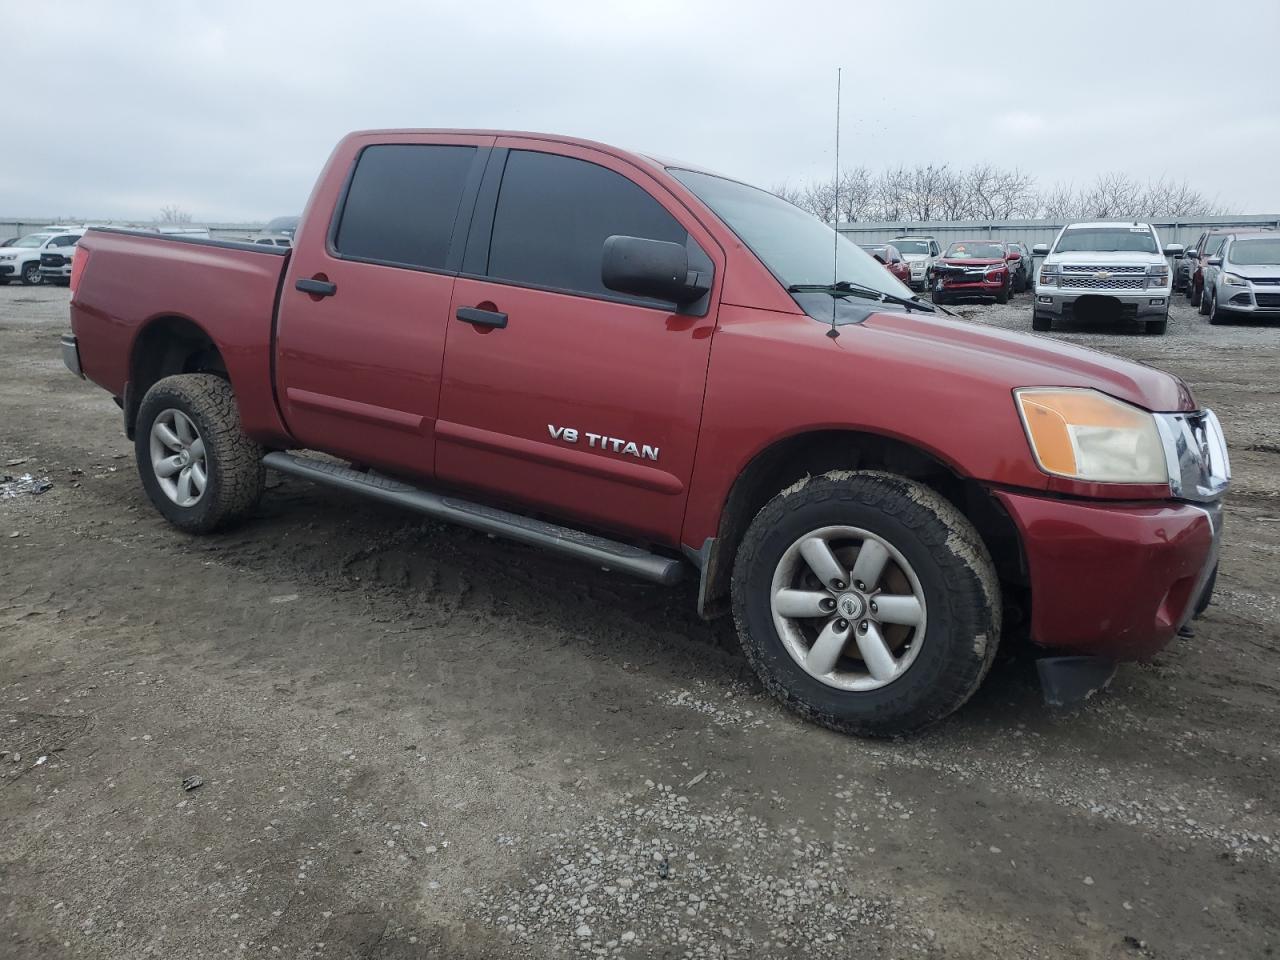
1214 245
402 203
67 240
554 214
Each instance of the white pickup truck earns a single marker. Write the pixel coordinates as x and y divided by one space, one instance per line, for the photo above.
1103 270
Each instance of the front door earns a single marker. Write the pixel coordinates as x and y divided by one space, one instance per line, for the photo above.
583 401
365 305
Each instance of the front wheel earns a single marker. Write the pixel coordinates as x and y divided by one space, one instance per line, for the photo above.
1204 302
197 466
866 602
1216 316
31 274
1157 327
1041 322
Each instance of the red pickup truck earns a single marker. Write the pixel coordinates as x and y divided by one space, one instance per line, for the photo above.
657 370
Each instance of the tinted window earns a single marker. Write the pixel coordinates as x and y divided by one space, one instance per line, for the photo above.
67 240
555 213
402 204
1213 245
1107 240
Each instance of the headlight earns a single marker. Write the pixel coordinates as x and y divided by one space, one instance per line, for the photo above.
1085 435
1158 275
1049 274
8 256
1234 280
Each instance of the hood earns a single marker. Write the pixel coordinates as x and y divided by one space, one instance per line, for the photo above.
915 257
968 350
972 261
1090 258
1251 271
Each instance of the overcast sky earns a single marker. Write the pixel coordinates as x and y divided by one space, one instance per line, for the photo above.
229 109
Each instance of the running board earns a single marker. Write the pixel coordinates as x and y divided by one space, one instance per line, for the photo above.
499 523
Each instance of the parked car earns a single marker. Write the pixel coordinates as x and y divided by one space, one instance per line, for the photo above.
21 260
56 257
1104 269
9 241
1244 279
1208 245
661 371
920 253
888 255
972 268
1183 263
1020 265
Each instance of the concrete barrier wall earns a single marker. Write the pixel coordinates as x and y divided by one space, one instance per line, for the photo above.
21 226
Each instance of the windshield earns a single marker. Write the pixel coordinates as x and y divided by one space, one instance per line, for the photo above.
1255 253
1107 240
33 240
912 246
797 248
975 250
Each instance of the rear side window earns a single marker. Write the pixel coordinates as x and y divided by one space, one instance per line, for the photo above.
554 214
402 203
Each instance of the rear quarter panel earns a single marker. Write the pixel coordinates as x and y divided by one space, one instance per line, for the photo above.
131 281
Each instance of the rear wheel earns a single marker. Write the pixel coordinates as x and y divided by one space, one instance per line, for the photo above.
866 602
197 466
31 273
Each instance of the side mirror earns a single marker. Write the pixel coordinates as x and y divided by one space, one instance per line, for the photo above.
1215 261
652 268
1015 257
1040 249
1192 253
1174 250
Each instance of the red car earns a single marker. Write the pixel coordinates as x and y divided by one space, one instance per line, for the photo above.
888 254
973 268
663 372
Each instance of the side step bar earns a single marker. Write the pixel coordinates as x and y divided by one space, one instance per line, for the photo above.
563 540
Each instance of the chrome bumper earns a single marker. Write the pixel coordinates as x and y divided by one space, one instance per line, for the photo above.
71 354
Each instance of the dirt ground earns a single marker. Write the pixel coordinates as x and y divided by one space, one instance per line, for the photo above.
415 741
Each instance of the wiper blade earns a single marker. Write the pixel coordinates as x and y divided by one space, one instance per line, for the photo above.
847 288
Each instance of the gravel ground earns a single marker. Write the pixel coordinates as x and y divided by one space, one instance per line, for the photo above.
413 741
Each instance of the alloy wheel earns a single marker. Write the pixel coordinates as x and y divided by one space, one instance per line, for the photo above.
178 457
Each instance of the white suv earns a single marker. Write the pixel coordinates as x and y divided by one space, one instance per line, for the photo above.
1105 269
21 260
920 253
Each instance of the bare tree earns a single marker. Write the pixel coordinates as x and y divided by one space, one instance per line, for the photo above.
173 214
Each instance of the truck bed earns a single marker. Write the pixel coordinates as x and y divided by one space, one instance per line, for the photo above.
133 280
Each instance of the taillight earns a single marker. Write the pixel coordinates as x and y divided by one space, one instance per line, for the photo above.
78 263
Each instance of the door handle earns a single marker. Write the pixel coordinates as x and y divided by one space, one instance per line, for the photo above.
317 288
482 318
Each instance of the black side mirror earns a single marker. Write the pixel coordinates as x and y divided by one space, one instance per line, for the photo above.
1040 250
652 268
1192 254
1174 250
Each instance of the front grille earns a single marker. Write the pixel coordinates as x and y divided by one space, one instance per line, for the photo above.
1082 268
52 259
1267 299
1110 283
1267 282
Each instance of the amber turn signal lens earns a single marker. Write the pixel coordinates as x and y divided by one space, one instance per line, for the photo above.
1087 435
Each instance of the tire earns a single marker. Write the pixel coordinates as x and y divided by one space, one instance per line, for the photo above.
1216 316
1041 322
1203 303
1157 327
31 274
232 463
1194 296
1003 296
940 560
939 297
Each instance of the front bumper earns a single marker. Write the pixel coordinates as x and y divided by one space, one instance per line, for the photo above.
1150 304
1249 301
967 288
1115 580
56 273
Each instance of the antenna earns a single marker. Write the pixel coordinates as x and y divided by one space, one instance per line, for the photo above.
835 225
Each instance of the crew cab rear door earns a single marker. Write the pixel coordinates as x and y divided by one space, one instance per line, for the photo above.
559 393
365 304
